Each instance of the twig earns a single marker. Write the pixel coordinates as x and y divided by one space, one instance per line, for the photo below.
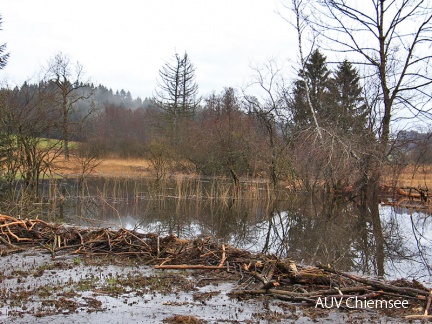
223 257
185 266
377 284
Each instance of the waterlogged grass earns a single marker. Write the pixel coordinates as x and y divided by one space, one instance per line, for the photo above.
44 143
55 144
87 284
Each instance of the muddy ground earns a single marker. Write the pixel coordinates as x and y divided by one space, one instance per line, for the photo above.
76 289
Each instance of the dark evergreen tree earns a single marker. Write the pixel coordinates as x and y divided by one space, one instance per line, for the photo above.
337 100
317 76
350 112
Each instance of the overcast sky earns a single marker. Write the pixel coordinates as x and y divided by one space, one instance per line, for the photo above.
123 44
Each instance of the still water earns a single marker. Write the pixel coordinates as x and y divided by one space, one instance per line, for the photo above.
374 239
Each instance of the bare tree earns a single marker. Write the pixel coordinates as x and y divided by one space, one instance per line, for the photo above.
269 81
392 39
67 82
226 140
301 24
26 117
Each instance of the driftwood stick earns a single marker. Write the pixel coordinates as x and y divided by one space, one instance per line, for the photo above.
426 312
33 222
344 290
16 237
139 239
3 218
236 293
223 256
280 294
10 245
377 284
109 241
66 247
428 303
185 266
402 192
258 276
20 222
370 295
418 297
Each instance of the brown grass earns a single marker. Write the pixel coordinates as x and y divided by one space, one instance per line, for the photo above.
118 167
112 167
410 177
124 167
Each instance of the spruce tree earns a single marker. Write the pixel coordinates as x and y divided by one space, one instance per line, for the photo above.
317 76
350 111
337 100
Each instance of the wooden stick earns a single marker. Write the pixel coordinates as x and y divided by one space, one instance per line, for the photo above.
280 294
185 266
14 223
428 303
380 285
16 237
4 217
259 277
223 257
336 291
10 245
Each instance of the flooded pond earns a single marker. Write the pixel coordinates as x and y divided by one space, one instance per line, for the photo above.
375 240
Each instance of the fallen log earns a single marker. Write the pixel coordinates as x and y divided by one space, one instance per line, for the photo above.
426 312
379 284
410 194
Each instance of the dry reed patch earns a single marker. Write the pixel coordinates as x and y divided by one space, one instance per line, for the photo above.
410 176
123 167
64 168
113 167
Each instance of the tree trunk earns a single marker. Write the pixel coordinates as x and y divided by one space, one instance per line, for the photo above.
65 130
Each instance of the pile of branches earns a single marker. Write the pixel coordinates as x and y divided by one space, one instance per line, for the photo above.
257 273
417 198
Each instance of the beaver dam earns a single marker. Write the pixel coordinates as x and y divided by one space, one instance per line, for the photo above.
57 273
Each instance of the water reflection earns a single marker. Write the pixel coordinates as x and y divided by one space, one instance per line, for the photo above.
372 239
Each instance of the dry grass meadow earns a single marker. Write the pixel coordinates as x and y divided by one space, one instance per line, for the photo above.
410 176
109 167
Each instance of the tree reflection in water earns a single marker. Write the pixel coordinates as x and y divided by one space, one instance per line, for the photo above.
375 240
371 239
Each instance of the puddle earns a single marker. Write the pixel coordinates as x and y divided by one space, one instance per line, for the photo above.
72 289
